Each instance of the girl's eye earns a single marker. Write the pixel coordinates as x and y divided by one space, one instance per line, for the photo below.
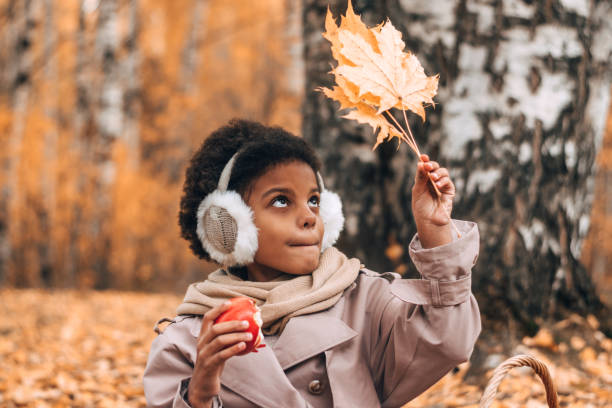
314 201
280 201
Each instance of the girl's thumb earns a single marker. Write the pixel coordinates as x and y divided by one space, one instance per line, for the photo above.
421 175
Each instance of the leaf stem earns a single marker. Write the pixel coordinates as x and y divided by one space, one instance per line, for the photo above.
416 150
411 135
399 127
438 193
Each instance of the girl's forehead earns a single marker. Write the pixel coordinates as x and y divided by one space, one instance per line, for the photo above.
295 173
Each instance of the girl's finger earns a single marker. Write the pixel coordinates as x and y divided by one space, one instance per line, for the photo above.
225 354
421 174
218 329
438 174
226 340
445 185
216 311
228 327
424 158
431 165
209 319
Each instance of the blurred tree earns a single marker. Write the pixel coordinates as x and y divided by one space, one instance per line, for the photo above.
597 252
131 84
109 128
524 90
21 16
102 104
50 103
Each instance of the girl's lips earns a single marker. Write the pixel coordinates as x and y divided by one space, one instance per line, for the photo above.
297 244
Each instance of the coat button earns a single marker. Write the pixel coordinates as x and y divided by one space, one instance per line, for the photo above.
315 387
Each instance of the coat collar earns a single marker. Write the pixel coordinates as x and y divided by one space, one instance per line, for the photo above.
308 335
260 376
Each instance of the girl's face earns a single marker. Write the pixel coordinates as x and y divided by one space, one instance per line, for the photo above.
285 204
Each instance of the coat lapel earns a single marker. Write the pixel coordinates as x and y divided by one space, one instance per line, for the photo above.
308 335
260 377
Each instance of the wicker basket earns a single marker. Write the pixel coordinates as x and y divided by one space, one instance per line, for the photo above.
520 361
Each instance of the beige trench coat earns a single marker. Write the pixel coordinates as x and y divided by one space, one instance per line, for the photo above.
385 342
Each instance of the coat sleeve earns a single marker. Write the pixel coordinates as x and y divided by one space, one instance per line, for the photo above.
169 368
428 325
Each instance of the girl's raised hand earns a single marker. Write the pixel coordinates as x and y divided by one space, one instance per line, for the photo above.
432 215
216 344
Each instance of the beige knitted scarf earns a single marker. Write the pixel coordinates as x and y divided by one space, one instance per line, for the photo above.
282 298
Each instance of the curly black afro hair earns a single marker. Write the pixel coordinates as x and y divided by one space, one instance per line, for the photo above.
261 148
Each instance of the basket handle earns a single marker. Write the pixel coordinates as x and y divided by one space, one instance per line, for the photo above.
520 360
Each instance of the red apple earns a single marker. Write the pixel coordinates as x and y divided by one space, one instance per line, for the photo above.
243 308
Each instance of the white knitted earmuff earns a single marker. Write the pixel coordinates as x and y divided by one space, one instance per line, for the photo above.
330 210
225 222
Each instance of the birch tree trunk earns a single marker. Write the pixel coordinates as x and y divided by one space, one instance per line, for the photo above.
524 90
597 251
82 127
109 126
188 84
132 97
293 38
7 43
49 175
20 83
190 60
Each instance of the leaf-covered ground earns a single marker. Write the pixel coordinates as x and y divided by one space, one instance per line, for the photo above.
65 348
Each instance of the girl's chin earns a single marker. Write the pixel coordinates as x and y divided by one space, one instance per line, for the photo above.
298 262
302 266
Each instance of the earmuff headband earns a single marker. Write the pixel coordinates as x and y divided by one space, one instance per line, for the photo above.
227 173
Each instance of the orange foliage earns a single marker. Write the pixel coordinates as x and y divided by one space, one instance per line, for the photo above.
88 348
597 250
93 212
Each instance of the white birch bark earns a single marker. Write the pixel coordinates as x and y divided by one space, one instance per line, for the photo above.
109 127
191 52
188 82
523 96
293 34
82 126
131 79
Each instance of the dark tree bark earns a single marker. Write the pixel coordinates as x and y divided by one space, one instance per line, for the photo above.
524 90
83 127
23 16
48 248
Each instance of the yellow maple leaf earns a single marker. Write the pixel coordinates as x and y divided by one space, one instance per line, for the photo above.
337 94
374 74
349 94
423 87
351 23
397 78
363 114
331 35
367 115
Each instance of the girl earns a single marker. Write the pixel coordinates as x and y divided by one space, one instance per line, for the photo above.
336 333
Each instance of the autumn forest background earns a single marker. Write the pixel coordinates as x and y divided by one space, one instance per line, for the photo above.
102 103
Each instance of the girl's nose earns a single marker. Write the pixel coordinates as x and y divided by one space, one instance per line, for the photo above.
307 217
